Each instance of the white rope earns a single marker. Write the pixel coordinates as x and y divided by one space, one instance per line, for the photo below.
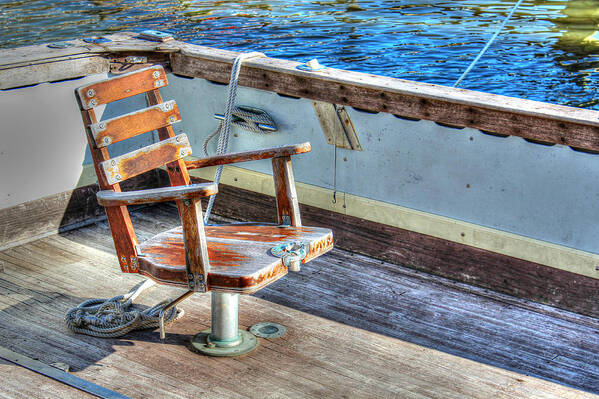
245 119
225 127
115 317
491 40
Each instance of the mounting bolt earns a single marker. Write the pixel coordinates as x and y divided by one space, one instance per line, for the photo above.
91 93
156 74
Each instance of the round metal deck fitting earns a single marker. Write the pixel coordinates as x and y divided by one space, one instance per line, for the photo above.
60 45
202 343
268 330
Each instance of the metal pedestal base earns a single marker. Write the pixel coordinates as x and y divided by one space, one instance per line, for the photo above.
224 338
204 344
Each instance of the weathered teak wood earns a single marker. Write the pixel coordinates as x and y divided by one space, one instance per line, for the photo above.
535 120
253 155
287 203
197 263
147 158
113 130
125 240
336 125
350 307
177 172
184 257
162 194
240 259
112 171
52 70
124 86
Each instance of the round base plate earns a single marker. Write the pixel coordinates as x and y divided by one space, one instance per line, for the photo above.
268 330
200 344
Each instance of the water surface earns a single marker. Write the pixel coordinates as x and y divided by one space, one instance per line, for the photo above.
544 53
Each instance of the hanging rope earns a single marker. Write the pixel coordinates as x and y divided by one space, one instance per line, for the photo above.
246 118
115 317
224 128
491 40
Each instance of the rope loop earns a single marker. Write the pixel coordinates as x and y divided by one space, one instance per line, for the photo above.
115 317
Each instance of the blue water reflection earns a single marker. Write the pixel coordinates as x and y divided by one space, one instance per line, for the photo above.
544 53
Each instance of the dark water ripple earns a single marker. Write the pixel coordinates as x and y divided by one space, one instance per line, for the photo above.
543 53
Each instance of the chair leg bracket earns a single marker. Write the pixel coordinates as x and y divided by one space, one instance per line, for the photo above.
196 282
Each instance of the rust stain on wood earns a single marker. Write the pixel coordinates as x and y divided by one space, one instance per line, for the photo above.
319 247
255 281
171 252
256 233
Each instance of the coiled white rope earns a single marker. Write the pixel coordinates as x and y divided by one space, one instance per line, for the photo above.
115 317
491 40
225 126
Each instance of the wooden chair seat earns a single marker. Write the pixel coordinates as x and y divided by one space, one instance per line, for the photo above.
240 258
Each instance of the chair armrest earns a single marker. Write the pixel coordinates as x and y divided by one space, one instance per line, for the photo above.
162 194
244 156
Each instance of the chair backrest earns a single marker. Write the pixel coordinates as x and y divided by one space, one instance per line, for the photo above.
168 151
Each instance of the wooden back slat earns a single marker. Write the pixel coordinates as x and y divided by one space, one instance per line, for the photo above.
113 130
147 158
177 172
124 86
169 151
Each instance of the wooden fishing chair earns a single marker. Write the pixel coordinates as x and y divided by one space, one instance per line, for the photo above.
227 260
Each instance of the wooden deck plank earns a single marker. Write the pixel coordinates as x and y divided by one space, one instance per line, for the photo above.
18 382
348 319
509 333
